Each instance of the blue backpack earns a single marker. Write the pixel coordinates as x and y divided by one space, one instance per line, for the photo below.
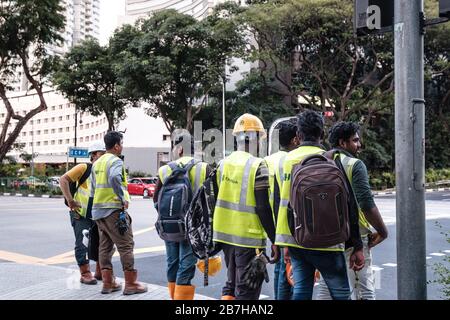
174 199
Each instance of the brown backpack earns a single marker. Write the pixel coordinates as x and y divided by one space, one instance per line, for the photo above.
319 198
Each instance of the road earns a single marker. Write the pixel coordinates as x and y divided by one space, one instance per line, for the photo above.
37 230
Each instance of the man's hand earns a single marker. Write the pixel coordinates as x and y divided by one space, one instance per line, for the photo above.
357 260
286 256
125 205
74 206
275 253
375 238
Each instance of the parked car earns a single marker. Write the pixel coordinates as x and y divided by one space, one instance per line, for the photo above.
142 186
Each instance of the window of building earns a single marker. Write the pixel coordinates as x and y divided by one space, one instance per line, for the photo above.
24 134
38 132
87 125
96 123
67 129
166 137
53 108
53 142
68 117
81 139
60 130
67 141
45 143
30 144
60 106
38 143
53 119
53 130
87 139
60 118
81 127
46 131
60 141
45 120
31 133
38 121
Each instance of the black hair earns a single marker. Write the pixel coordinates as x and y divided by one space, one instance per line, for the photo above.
180 138
342 130
112 138
287 132
309 125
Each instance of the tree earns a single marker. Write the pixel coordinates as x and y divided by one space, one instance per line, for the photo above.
27 28
87 77
172 61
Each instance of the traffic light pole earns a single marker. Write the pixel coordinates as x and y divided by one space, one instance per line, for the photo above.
410 150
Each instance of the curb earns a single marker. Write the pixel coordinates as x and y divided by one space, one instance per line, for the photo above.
30 195
393 192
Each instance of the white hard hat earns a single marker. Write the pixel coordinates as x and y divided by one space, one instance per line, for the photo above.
96 146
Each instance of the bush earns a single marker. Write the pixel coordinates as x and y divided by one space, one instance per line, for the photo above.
385 180
442 270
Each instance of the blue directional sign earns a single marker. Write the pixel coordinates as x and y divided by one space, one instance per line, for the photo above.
78 152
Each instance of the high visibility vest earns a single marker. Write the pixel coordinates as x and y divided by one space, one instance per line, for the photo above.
197 174
235 219
82 197
283 233
348 164
105 197
275 165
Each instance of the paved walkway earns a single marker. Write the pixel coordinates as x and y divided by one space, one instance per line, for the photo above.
42 282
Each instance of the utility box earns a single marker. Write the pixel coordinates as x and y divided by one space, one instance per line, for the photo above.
373 16
444 8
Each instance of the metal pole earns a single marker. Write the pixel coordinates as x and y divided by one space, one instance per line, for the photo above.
75 142
223 115
32 148
410 150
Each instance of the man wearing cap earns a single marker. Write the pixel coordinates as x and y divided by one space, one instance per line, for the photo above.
242 216
80 206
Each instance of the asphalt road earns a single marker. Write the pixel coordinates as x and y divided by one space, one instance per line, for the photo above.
38 229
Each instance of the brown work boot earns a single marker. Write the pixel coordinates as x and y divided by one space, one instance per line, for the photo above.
98 272
184 292
86 275
131 285
109 282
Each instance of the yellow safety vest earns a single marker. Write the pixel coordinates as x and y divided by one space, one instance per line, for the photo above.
82 197
283 233
197 174
235 219
348 164
104 197
275 165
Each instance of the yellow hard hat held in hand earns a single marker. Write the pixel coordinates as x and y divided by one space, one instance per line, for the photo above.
214 265
248 123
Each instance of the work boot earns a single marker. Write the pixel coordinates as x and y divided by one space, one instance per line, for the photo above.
131 285
227 298
98 272
86 275
109 282
171 286
185 292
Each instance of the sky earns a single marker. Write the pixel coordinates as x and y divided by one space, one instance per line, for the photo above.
110 10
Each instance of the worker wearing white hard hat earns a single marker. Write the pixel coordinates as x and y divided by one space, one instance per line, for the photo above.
75 186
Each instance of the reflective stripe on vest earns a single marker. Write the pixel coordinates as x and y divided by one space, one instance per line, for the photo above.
82 197
283 233
105 197
235 219
275 165
348 163
197 174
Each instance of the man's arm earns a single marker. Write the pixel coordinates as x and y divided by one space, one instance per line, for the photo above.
64 182
115 179
364 196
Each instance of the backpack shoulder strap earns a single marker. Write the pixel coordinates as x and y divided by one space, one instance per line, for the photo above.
85 175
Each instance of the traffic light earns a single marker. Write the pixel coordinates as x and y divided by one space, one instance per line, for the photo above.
373 16
444 8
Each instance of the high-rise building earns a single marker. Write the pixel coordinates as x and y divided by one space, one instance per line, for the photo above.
199 9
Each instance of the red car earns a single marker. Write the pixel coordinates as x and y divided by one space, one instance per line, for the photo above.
142 186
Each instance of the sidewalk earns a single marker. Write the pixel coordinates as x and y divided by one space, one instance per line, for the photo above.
42 282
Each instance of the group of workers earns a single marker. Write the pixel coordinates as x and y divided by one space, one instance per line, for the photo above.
252 205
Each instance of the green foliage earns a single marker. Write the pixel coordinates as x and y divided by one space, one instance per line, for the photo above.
173 61
87 77
442 269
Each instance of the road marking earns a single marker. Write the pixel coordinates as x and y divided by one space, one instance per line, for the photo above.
377 268
263 296
393 265
143 231
437 254
447 251
19 258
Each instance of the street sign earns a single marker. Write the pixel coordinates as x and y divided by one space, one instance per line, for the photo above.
78 152
373 16
444 8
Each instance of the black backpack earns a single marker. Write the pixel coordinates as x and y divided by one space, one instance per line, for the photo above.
199 222
174 199
74 185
